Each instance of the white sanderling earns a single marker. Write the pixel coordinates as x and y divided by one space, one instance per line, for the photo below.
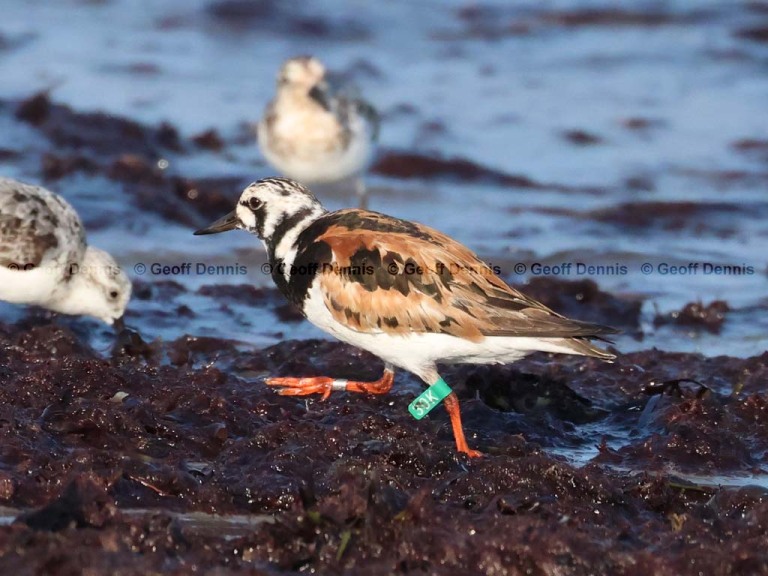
45 260
314 132
403 291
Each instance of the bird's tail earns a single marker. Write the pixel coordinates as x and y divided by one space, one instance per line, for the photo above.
584 347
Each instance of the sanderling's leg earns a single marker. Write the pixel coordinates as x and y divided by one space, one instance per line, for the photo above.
361 192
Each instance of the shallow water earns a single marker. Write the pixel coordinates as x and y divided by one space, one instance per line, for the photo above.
494 84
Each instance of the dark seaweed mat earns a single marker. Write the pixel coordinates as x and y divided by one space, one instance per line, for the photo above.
125 152
356 485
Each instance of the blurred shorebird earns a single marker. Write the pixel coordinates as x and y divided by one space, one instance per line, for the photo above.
403 291
314 132
45 260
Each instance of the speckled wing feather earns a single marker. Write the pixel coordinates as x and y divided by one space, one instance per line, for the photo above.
345 102
36 227
395 276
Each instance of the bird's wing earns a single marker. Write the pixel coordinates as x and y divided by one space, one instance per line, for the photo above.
345 102
390 275
36 227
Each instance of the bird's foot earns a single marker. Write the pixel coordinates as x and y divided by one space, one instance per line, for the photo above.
471 453
325 385
302 386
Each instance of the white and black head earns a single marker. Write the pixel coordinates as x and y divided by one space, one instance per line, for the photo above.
302 73
271 209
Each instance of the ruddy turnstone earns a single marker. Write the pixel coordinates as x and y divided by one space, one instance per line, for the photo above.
314 133
45 261
403 291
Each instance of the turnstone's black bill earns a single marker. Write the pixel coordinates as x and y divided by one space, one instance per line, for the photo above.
45 261
223 224
315 132
403 291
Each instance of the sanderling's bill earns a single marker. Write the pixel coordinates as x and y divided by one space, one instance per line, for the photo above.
314 132
405 292
45 261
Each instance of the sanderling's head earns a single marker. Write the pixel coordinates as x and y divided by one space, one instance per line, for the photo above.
98 288
301 73
270 208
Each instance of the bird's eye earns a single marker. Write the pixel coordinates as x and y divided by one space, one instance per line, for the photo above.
254 203
114 294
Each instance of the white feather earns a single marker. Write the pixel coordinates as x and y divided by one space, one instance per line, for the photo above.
420 352
72 278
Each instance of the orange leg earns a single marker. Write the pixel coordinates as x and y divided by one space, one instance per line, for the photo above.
451 403
325 385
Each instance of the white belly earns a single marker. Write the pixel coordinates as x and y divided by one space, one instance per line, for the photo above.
419 352
38 286
316 159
